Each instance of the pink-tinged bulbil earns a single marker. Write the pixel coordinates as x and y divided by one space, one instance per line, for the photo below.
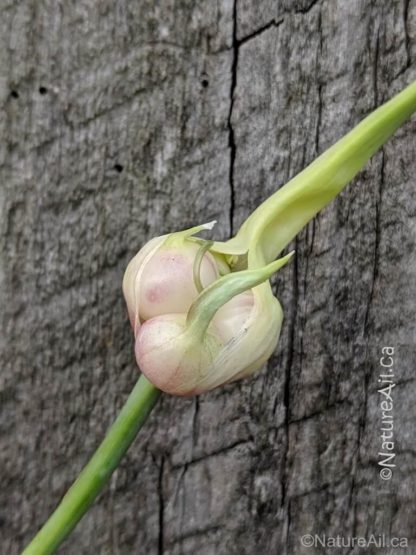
160 278
171 358
167 284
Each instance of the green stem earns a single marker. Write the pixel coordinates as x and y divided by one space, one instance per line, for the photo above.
97 472
276 222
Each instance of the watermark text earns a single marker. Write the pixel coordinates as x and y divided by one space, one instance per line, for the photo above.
386 380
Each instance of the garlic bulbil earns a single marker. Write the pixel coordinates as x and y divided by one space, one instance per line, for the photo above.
160 278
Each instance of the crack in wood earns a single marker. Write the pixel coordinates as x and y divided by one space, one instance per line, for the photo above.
161 506
231 135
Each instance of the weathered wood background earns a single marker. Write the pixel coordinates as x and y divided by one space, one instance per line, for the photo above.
124 120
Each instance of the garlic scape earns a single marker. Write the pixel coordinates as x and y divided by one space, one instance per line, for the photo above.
203 312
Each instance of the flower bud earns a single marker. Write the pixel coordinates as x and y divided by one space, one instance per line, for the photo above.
229 332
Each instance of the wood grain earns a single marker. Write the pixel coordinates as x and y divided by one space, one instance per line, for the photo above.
124 120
